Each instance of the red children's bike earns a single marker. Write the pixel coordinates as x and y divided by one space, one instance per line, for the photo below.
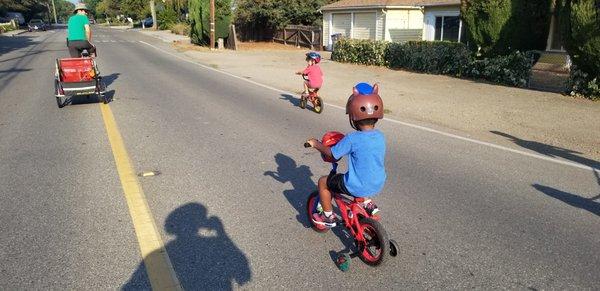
370 238
313 97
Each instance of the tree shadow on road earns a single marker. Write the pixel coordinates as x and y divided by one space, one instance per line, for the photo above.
202 254
550 150
11 43
6 73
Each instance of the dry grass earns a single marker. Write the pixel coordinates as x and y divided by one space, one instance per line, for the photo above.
266 46
181 28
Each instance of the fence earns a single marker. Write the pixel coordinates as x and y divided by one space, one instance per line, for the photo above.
300 35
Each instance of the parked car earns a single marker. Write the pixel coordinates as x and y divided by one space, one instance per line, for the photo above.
37 24
147 22
16 16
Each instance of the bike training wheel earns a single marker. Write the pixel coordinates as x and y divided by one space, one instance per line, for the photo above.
318 105
394 248
302 101
100 91
59 100
311 206
373 252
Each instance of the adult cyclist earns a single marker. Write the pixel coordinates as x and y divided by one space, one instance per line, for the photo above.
79 32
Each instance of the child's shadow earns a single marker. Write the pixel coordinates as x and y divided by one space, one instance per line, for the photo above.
302 184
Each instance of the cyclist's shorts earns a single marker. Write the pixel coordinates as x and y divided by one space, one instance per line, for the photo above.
335 183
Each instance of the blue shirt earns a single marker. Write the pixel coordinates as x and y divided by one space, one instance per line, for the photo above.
366 154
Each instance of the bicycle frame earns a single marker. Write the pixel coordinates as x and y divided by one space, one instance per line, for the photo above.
351 212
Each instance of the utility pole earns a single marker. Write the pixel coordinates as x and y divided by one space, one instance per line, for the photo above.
153 11
212 24
54 10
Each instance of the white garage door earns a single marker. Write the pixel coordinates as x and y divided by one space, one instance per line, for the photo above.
341 24
364 25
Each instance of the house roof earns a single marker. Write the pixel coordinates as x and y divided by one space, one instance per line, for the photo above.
349 4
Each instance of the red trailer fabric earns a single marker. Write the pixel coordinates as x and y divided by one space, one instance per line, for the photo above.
77 69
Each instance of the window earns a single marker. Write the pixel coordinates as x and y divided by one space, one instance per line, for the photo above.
447 28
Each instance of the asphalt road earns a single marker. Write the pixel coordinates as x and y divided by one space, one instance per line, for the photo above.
229 202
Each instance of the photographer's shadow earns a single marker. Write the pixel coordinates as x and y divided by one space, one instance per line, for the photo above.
203 256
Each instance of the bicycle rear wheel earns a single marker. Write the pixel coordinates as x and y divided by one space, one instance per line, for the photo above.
373 250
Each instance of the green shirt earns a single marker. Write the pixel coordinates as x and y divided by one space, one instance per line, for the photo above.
76 27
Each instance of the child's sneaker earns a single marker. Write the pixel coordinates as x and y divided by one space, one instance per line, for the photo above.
371 208
327 221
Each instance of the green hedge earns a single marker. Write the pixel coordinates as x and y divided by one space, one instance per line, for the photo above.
513 69
582 84
447 58
365 52
434 57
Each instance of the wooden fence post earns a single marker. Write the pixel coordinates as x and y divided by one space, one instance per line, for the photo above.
312 39
284 37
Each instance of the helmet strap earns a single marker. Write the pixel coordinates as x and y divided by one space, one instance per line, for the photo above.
352 123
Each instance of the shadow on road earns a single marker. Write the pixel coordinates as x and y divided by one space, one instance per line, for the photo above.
110 79
550 150
11 43
589 204
6 73
294 100
303 186
203 256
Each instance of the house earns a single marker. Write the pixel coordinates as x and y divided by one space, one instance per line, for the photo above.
392 20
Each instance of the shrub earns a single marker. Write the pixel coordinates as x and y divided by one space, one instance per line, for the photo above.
581 34
504 26
513 69
582 84
6 28
180 28
199 20
365 52
434 57
166 18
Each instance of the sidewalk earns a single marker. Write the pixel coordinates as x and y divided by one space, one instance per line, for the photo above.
14 32
165 35
547 123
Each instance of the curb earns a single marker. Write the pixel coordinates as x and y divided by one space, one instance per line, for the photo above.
15 32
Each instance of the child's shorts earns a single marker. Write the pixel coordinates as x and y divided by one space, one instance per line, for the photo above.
335 183
311 88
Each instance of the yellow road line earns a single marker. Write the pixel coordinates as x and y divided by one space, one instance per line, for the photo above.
156 260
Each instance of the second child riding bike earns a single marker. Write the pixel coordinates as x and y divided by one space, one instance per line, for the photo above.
313 80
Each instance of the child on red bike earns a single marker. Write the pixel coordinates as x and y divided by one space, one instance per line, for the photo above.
313 72
365 149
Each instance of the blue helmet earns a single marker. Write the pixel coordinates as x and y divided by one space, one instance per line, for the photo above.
313 56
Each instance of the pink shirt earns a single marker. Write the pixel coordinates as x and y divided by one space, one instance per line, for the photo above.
315 76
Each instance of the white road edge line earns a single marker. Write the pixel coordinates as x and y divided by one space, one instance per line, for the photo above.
537 156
